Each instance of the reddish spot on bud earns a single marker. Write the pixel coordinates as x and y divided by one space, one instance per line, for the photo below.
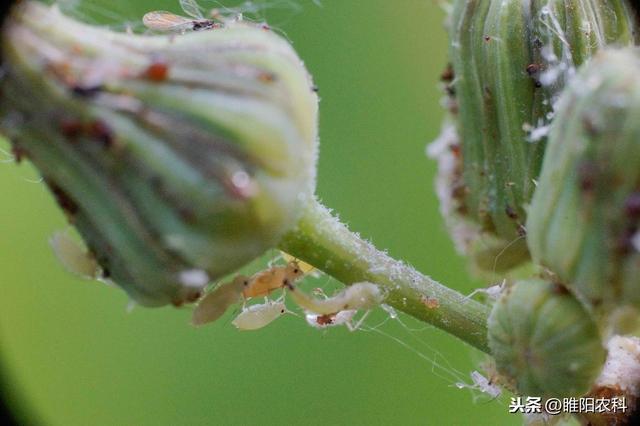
456 150
448 74
100 132
193 296
487 38
18 153
187 215
157 71
587 176
266 77
560 289
64 200
71 129
533 69
624 243
632 205
511 212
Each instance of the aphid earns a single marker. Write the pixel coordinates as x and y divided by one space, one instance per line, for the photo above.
363 295
73 257
482 384
492 292
485 385
257 316
214 304
276 277
161 20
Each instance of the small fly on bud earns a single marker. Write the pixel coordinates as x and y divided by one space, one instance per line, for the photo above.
161 20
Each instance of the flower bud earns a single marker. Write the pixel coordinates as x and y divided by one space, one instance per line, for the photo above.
584 220
510 59
544 341
179 158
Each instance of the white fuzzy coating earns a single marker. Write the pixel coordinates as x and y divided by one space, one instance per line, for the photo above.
73 256
257 316
622 368
197 278
463 232
635 241
363 295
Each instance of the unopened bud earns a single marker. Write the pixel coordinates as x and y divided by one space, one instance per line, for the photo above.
179 158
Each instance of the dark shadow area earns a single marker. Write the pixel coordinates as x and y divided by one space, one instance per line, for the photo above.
8 415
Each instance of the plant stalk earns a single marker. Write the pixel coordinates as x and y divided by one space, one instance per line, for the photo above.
323 241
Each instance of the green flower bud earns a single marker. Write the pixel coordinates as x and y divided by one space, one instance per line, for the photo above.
544 342
510 60
584 220
179 158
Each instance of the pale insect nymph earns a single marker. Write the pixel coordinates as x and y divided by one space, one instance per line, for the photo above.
73 256
255 317
339 308
363 295
161 20
214 304
493 292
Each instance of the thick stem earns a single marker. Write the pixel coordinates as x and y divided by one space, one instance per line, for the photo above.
323 241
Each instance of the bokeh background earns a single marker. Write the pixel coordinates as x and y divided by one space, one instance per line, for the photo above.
72 355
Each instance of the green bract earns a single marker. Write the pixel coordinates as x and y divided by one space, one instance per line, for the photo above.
585 216
179 158
510 60
544 341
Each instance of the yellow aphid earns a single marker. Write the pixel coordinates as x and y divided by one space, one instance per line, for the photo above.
73 256
363 295
214 304
258 316
276 277
306 267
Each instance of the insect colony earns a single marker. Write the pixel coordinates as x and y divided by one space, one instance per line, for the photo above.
322 312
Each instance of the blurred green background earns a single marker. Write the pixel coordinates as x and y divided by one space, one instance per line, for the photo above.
72 355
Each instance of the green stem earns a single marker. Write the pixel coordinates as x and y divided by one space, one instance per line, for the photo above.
323 241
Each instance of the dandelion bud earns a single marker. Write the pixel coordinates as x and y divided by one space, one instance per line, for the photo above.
510 59
179 157
544 341
584 220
